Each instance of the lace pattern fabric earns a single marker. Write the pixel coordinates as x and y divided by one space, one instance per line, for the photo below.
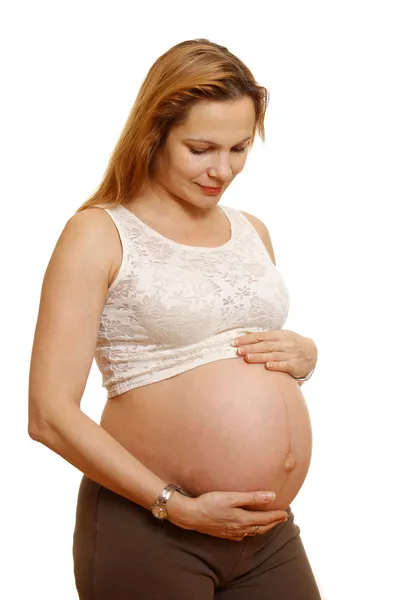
174 307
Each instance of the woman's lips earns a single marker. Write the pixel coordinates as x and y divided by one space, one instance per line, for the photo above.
211 190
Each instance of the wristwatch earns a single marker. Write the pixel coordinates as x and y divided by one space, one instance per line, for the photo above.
159 508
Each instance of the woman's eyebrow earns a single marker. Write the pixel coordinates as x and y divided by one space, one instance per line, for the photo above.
213 143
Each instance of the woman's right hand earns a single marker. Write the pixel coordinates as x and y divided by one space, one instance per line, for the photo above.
228 515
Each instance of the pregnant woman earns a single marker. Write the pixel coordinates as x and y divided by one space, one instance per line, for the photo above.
155 279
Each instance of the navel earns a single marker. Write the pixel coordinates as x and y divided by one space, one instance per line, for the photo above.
289 462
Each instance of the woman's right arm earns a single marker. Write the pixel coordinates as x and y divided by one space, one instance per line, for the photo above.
72 299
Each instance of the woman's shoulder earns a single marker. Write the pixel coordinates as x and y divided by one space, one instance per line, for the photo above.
96 225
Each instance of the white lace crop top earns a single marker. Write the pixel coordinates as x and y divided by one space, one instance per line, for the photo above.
173 307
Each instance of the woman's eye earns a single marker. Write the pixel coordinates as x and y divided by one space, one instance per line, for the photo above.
239 149
193 151
197 151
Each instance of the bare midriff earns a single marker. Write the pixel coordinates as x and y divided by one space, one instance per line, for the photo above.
227 425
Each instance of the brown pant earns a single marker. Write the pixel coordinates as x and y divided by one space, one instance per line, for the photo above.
121 552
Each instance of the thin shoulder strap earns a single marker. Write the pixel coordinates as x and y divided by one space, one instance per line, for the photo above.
113 214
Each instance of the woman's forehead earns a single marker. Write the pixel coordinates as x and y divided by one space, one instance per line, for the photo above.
218 122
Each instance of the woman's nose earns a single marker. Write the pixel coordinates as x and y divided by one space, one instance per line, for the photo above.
221 169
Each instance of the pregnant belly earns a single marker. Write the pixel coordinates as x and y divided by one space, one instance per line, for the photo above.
227 425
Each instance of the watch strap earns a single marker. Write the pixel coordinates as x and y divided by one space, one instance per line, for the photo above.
167 491
163 497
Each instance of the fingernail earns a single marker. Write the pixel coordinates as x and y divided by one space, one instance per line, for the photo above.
269 496
234 343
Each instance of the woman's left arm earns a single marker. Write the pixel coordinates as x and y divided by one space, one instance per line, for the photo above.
281 350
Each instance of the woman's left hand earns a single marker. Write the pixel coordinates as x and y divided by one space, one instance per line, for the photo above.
280 350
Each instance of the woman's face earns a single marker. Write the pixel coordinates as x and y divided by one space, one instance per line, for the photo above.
185 162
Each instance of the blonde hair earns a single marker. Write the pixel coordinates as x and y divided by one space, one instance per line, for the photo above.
188 72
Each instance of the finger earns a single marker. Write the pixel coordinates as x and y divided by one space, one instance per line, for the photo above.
261 529
257 357
251 338
264 518
272 348
237 499
266 528
278 366
233 534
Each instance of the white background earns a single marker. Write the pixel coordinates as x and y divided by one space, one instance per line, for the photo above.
326 183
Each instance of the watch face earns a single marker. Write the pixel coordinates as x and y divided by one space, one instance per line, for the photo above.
159 512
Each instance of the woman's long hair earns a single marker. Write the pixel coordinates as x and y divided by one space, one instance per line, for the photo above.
190 71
